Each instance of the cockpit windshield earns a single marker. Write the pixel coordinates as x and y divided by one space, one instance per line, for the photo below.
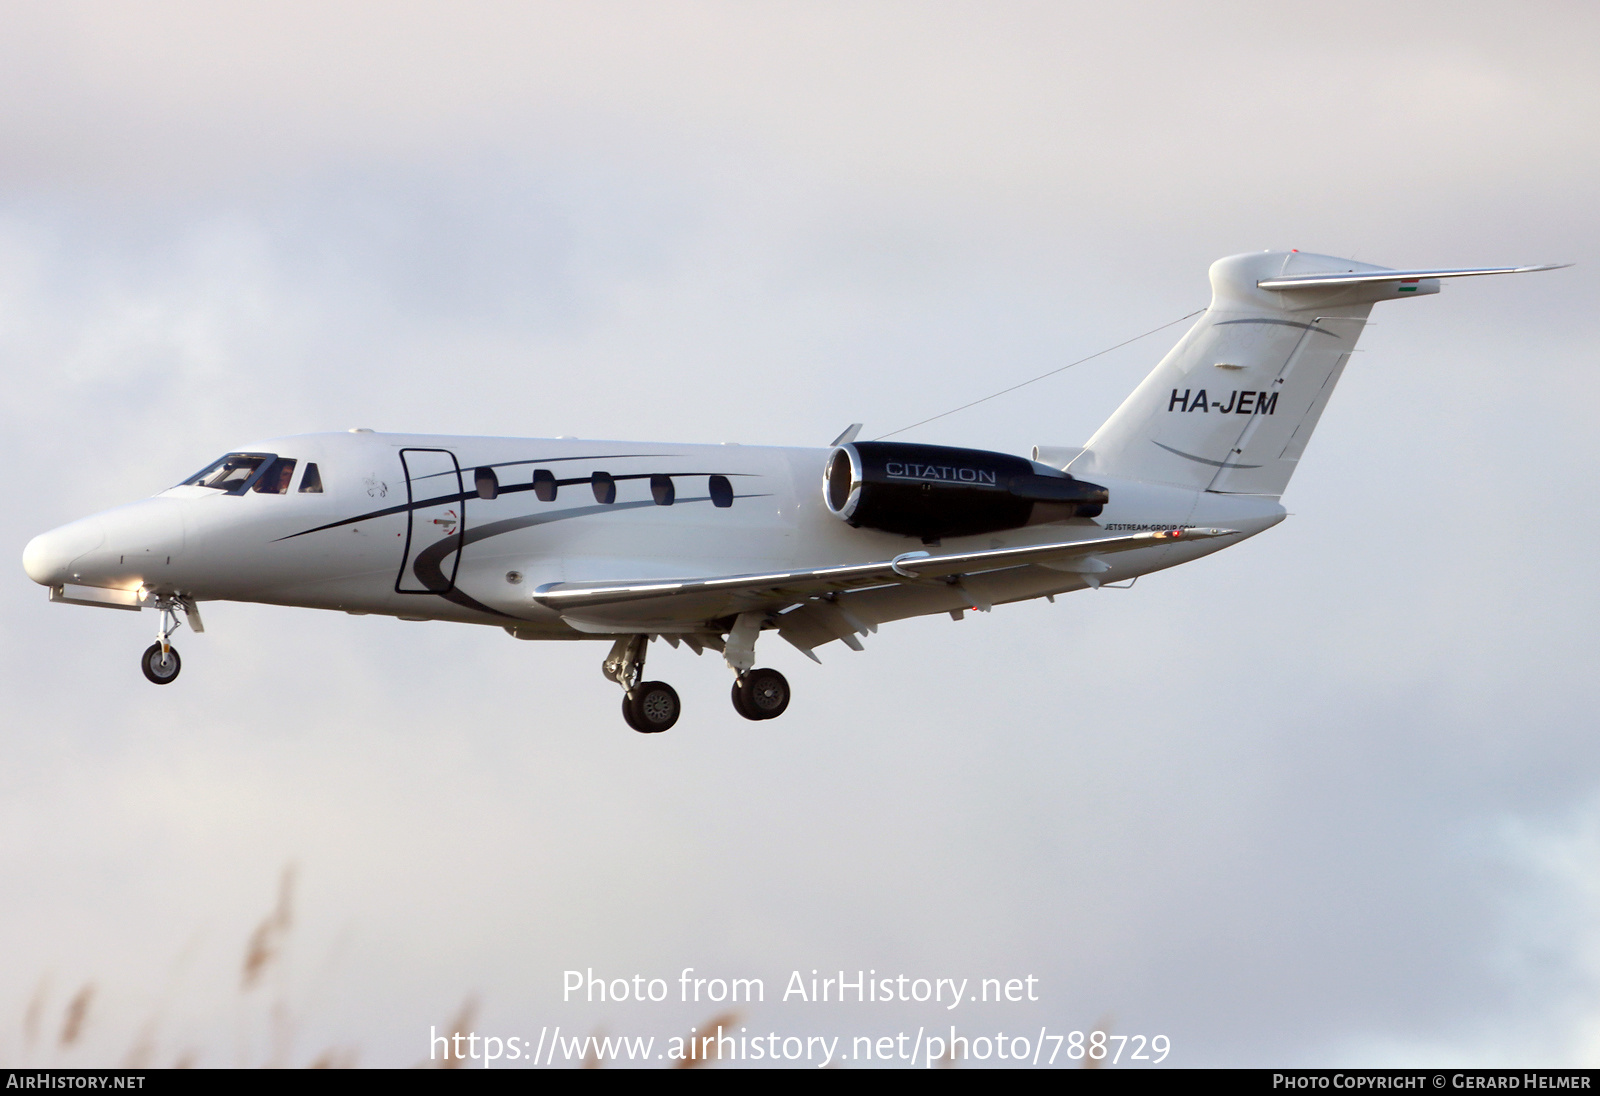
275 480
233 473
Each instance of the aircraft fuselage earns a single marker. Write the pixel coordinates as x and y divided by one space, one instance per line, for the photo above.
401 527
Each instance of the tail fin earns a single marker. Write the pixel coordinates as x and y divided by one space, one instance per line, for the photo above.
1231 408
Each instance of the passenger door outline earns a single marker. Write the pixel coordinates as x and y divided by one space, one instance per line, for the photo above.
438 485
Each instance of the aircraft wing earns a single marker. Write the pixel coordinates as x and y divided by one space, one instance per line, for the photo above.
659 605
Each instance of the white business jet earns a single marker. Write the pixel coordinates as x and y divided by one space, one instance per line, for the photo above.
713 545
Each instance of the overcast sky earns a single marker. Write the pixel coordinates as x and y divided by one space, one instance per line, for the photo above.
1329 797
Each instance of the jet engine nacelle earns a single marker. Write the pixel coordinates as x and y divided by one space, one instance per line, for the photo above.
934 491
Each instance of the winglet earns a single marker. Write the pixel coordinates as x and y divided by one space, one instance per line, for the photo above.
848 436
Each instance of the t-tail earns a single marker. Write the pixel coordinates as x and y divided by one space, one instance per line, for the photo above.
1231 408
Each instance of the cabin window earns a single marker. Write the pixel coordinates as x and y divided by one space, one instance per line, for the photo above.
544 485
721 491
661 490
311 482
605 488
275 480
487 482
231 474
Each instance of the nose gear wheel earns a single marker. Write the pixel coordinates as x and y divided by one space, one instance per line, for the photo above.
161 666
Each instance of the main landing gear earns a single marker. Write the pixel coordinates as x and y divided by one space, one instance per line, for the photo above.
757 693
160 661
651 707
760 694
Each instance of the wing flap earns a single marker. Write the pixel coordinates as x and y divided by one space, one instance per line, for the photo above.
663 601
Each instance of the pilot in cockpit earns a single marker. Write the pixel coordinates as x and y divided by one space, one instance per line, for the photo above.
284 473
275 480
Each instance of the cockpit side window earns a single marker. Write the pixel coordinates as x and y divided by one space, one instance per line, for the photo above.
275 480
232 474
311 482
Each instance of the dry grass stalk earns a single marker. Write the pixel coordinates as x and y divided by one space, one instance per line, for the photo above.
143 1051
267 941
282 1035
462 1026
265 948
33 1018
725 1021
77 1015
1104 1024
335 1058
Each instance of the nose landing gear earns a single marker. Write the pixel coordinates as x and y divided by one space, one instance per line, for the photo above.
161 667
160 661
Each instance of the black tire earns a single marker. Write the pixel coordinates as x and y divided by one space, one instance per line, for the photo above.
160 669
739 704
652 707
627 713
763 692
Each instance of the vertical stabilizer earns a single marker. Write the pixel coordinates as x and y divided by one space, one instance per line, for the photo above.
1231 408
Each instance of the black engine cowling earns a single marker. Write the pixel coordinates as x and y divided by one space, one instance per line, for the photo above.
934 491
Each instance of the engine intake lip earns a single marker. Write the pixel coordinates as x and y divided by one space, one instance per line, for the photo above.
933 491
841 481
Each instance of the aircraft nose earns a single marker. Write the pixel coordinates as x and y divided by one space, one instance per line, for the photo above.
48 556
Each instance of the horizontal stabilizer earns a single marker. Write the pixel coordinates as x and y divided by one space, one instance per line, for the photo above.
1367 277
